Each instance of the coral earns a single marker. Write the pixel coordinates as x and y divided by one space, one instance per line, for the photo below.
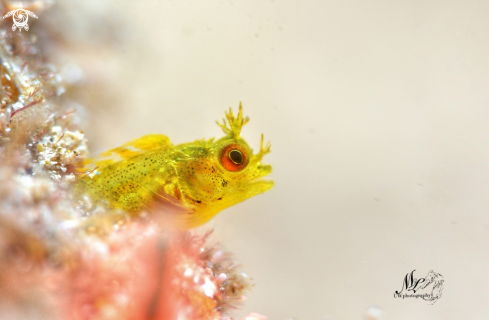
61 257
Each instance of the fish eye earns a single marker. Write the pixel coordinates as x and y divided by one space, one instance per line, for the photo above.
234 157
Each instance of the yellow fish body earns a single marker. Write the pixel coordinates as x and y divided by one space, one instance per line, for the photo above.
197 179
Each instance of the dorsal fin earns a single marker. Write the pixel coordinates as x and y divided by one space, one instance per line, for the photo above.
128 150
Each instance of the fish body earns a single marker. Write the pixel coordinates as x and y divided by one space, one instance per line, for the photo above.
196 180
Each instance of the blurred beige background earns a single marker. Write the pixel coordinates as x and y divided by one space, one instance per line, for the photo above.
378 116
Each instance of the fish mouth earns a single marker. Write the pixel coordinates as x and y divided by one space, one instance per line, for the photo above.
264 170
258 182
261 184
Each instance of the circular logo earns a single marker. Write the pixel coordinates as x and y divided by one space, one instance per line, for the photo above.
20 17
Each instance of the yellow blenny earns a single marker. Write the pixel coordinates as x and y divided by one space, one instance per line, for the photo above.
196 180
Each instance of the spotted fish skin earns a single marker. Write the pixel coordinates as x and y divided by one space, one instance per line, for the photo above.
196 179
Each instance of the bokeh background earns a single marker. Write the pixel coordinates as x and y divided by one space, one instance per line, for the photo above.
378 116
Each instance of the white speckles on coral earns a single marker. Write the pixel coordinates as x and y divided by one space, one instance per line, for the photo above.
60 149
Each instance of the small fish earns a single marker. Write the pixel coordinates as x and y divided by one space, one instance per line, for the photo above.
196 179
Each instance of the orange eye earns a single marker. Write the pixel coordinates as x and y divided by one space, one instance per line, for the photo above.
234 157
